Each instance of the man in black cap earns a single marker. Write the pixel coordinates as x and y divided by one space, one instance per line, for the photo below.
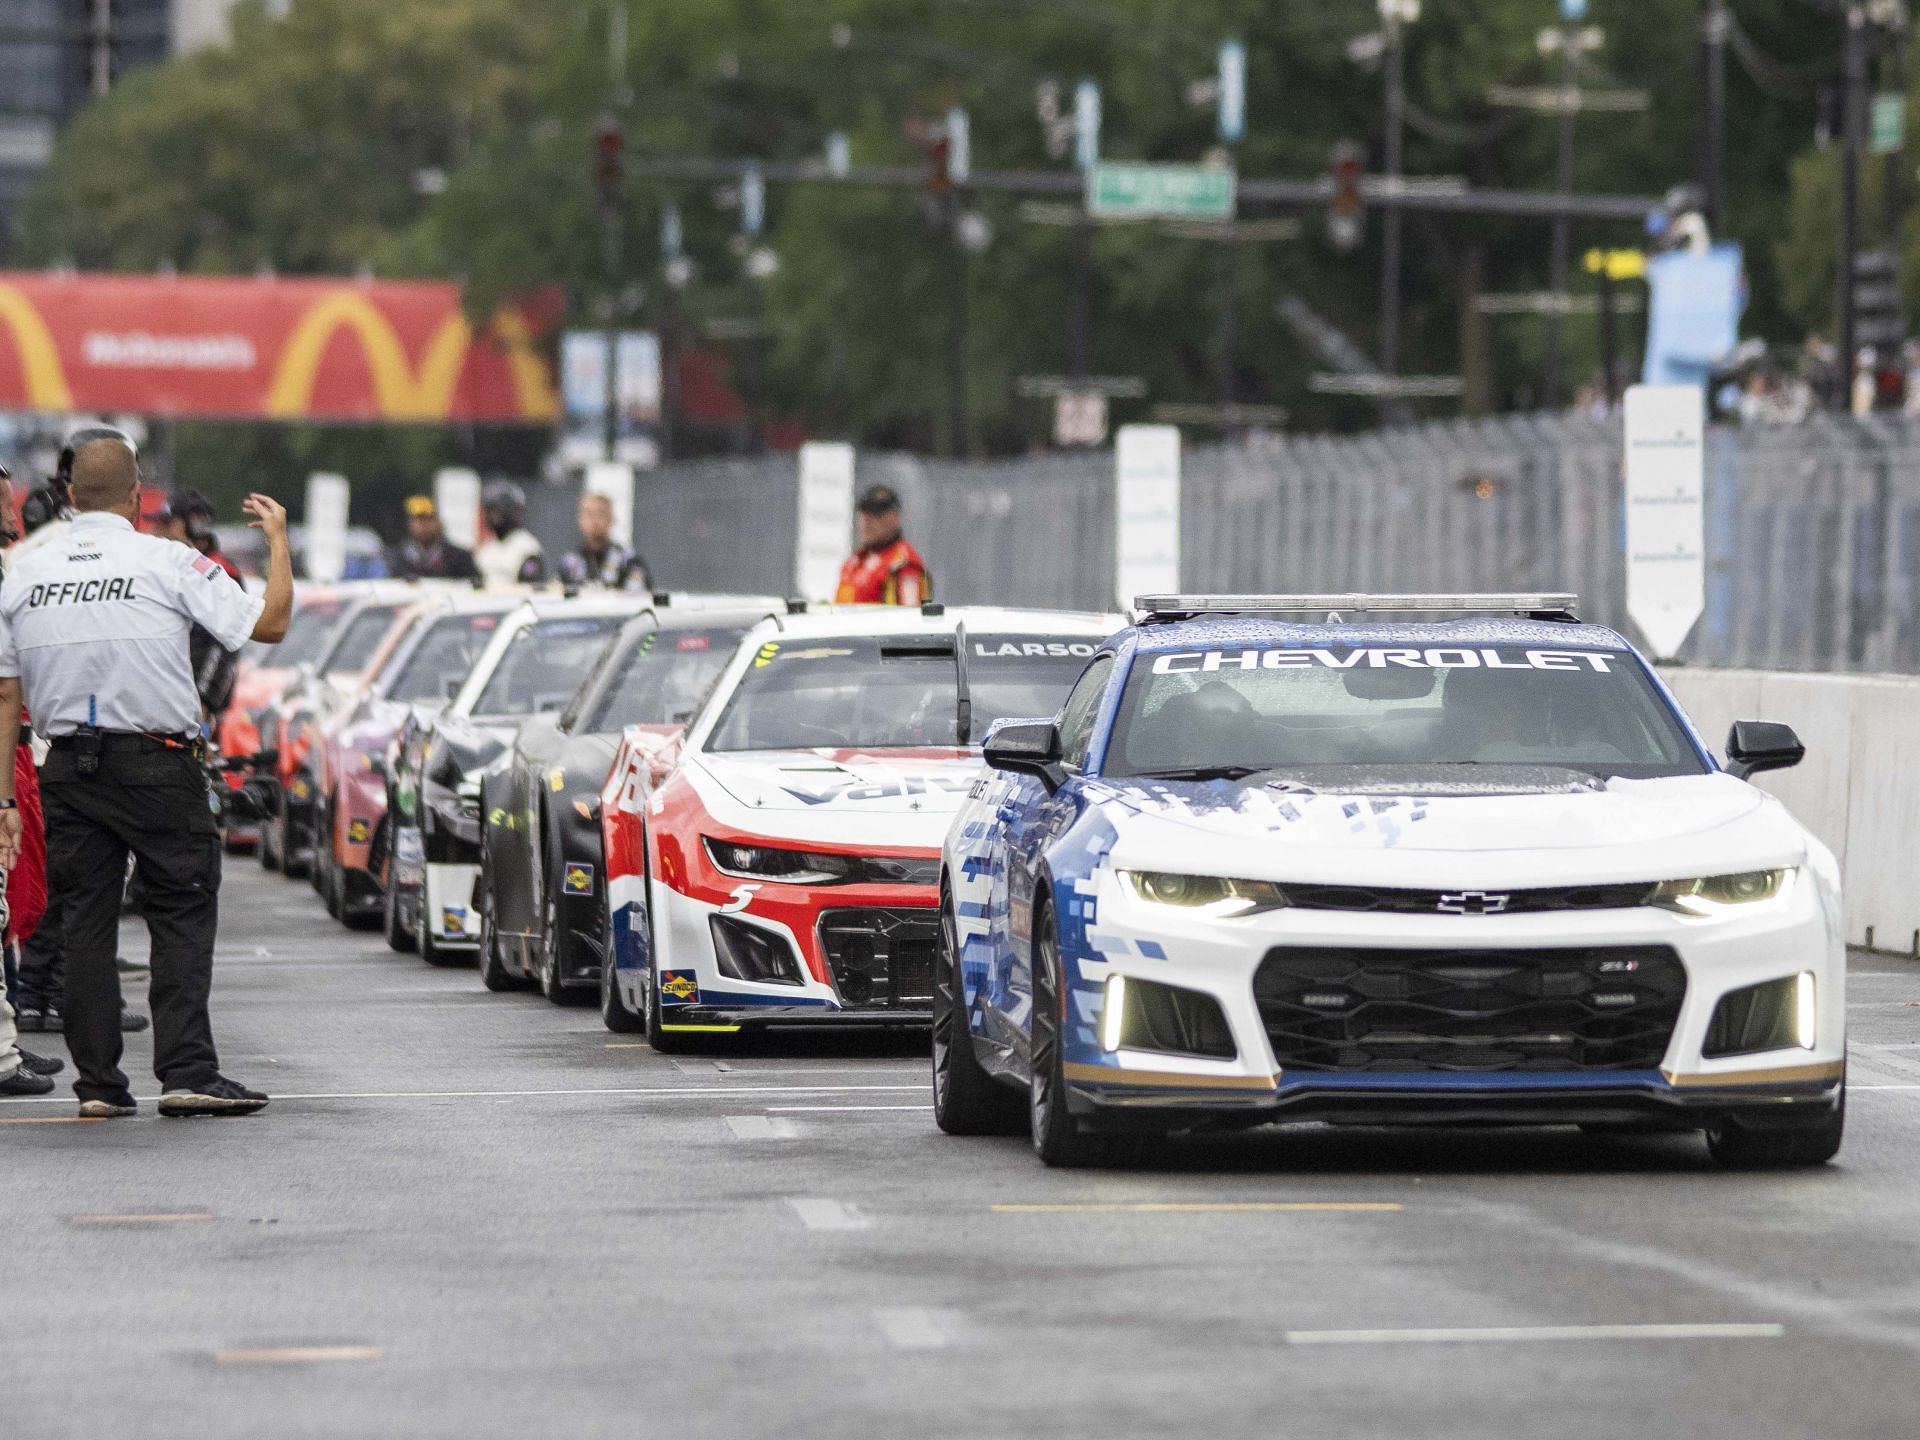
426 553
886 569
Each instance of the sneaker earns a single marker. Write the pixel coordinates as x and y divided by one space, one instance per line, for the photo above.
130 967
39 1020
132 1022
24 1082
219 1096
41 1064
120 1105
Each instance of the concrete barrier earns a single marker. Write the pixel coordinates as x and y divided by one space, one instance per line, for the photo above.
1859 788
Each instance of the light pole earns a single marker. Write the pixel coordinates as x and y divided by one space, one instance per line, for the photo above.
1395 16
1571 43
1713 135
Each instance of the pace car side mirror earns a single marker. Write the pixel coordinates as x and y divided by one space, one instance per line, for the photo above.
1756 745
1026 747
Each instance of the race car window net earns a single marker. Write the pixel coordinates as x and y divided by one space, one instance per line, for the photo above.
1297 708
307 635
663 679
869 692
542 665
355 644
446 652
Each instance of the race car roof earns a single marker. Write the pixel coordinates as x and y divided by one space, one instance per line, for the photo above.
1219 631
830 620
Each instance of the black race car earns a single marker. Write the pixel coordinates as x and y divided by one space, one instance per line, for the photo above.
543 886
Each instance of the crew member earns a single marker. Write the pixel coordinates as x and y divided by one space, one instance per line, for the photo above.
426 553
94 631
188 518
886 569
599 562
513 556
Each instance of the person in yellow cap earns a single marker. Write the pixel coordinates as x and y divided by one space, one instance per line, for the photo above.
426 553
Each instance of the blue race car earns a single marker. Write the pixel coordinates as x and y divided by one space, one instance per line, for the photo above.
1270 864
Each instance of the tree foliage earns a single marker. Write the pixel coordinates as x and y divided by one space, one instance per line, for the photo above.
301 148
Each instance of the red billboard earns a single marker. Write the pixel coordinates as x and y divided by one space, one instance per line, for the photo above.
271 349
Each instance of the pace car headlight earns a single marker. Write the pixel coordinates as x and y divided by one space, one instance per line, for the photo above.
1196 892
788 867
1717 894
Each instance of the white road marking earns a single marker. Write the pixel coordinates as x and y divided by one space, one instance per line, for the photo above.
759 1127
911 1327
667 1092
1518 1334
820 1214
839 1109
297 1355
1862 1089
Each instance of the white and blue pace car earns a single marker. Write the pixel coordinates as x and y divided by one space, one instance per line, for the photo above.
1286 858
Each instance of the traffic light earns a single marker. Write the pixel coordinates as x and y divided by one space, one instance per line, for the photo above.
1347 210
608 145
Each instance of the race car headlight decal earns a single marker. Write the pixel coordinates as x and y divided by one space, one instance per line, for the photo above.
1717 894
1197 892
1805 1017
786 867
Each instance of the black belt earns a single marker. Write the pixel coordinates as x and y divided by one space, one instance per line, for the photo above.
128 742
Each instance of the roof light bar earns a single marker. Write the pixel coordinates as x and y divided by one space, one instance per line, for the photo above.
1178 607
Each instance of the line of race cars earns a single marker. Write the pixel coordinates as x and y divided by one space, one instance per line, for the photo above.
1230 861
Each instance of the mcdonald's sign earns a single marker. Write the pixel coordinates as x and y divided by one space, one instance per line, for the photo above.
226 348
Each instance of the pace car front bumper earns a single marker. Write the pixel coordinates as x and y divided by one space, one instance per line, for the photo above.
1775 941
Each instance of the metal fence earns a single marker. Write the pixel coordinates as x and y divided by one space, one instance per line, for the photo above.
1813 531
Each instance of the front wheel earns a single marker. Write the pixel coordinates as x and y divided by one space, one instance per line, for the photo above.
493 972
658 1036
552 972
614 1013
1057 1137
966 1099
400 936
1739 1147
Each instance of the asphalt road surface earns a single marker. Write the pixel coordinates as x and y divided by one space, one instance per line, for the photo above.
476 1215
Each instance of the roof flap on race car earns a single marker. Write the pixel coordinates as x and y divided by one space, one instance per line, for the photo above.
1162 609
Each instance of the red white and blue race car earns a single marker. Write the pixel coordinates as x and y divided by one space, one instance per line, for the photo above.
781 865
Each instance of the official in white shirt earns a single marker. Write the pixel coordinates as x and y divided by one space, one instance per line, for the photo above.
94 630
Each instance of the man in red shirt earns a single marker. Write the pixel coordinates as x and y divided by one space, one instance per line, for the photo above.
886 569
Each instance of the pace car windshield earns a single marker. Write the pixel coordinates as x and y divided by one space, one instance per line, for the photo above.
543 664
892 692
1234 712
663 679
445 653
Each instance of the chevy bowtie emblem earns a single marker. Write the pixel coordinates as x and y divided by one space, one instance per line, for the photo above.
1473 902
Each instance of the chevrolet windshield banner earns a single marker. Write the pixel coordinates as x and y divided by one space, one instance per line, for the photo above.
228 348
1381 657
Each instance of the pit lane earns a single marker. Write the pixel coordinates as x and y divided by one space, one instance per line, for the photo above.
470 1214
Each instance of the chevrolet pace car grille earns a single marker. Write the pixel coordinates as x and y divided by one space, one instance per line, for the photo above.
881 959
1373 900
1340 1008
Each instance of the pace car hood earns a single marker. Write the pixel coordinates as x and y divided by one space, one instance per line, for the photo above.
932 782
1622 828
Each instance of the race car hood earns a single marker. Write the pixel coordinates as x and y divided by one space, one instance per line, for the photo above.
1537 828
912 793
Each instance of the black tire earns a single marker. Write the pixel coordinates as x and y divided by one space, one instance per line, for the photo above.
333 887
265 852
399 937
1057 1137
493 974
966 1099
292 865
1739 1147
551 984
319 851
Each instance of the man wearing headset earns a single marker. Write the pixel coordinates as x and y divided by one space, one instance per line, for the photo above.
94 633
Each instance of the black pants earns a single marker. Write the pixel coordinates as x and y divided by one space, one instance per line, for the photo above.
152 803
43 960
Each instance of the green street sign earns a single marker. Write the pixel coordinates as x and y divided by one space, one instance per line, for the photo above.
1145 192
1889 127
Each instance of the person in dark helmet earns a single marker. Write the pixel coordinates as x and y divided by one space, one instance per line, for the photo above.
886 569
513 556
426 553
189 518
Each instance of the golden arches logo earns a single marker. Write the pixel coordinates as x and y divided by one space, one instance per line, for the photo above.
401 392
39 360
